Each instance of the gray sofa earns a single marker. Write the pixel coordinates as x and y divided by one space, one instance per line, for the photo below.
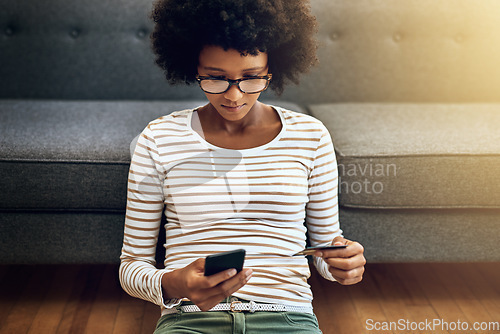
408 89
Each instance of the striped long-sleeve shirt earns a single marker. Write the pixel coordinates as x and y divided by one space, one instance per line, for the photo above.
218 199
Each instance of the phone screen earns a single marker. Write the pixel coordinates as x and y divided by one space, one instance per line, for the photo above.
226 260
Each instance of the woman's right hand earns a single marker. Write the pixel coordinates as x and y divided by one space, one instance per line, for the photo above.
204 291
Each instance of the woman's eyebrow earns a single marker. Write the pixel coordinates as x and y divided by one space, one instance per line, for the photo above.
213 69
260 68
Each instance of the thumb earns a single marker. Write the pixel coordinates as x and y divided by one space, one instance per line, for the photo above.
339 241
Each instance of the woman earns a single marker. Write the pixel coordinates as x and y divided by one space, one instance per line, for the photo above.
234 173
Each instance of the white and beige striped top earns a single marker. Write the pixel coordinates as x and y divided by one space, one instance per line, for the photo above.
218 199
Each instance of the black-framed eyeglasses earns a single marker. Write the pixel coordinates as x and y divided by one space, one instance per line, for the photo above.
253 85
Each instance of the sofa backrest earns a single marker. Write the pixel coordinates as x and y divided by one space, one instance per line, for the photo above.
92 49
405 51
371 50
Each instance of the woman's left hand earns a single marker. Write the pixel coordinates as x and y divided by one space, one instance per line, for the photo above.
346 265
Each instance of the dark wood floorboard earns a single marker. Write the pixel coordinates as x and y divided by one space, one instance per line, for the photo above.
88 299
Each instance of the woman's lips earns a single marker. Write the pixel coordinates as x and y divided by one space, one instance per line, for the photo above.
232 108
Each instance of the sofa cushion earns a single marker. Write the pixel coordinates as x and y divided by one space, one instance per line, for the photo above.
72 155
415 155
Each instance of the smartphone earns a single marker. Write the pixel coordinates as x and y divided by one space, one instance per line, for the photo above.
312 250
226 260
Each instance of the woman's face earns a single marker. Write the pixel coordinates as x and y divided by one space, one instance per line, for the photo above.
214 61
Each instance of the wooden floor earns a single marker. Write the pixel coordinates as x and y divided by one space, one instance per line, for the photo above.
88 299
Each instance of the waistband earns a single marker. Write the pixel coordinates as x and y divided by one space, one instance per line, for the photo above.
234 304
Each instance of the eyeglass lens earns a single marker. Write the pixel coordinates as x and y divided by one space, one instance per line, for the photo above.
220 86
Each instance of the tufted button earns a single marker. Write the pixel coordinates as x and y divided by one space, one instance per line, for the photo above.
75 33
141 33
397 37
459 38
9 31
334 36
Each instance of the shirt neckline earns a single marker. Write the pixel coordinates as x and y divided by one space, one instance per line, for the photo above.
230 150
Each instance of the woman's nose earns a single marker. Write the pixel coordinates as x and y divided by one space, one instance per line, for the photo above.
233 93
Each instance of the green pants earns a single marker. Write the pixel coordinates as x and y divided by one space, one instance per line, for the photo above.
221 322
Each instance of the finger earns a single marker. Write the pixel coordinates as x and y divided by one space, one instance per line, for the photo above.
347 277
340 241
349 281
346 263
215 295
216 279
230 274
206 298
232 285
353 248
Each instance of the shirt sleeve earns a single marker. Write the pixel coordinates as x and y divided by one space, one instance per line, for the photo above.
138 274
322 210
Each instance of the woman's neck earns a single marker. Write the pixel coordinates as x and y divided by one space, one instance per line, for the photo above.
259 116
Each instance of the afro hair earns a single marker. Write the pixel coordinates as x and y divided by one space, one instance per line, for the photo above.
284 29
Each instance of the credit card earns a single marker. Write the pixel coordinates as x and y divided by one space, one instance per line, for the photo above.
312 250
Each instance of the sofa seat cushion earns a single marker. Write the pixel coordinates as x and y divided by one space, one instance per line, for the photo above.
72 155
415 155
